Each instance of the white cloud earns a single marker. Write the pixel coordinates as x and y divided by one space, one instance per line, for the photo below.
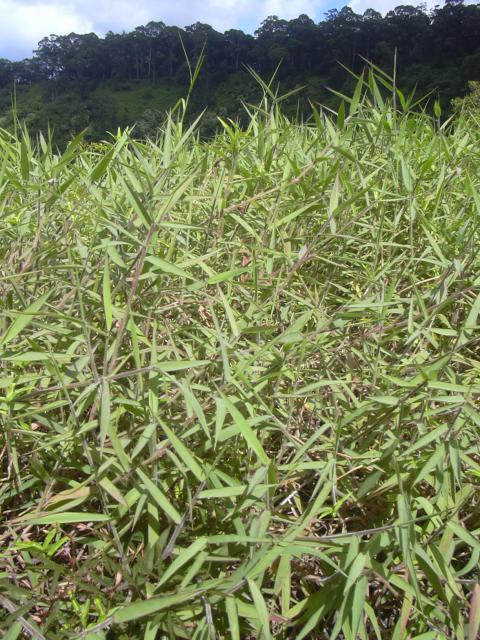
24 22
384 6
290 8
22 25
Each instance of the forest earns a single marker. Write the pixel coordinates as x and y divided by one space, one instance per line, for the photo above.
74 81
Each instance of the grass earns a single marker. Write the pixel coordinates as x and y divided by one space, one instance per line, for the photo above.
240 379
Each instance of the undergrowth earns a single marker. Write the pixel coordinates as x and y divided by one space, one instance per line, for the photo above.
240 378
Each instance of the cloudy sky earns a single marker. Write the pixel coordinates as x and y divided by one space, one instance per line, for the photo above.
24 22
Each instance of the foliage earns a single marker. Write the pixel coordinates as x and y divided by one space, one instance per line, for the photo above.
470 104
240 379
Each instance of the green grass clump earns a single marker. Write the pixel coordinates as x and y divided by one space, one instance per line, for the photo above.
240 379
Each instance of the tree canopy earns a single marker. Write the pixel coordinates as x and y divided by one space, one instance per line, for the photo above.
436 49
446 34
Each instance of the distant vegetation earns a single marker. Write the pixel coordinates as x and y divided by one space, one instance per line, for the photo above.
76 81
240 379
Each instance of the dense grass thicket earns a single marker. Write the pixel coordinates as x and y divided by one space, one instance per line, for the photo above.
240 379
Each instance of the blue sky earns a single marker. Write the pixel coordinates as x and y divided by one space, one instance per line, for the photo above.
24 22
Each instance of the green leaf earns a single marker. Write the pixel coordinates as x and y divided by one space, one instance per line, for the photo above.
23 319
107 295
13 632
464 535
169 366
185 556
167 267
111 489
102 165
471 322
261 609
474 621
63 518
229 275
24 160
232 615
356 96
105 416
184 453
159 497
247 432
141 608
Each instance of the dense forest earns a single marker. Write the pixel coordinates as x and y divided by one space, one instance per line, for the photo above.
76 81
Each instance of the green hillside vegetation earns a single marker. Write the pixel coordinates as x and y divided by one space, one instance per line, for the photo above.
240 377
76 81
115 104
107 107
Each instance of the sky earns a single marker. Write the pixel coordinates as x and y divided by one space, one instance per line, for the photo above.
23 23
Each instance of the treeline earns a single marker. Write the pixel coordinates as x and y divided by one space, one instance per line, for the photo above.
75 82
444 36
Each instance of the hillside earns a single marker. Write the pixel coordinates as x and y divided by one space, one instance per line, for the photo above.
240 378
75 81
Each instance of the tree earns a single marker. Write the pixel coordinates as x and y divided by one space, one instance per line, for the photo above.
302 43
238 47
455 29
6 73
342 30
407 31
